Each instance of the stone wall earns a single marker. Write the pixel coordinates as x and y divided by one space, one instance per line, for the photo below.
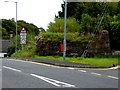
98 46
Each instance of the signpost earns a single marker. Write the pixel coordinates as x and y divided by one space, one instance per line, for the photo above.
23 34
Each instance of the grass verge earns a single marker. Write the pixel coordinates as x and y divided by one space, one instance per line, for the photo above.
92 61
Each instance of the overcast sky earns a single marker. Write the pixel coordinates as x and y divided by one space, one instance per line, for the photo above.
38 12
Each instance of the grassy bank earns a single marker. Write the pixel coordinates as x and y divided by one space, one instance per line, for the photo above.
98 61
30 47
92 61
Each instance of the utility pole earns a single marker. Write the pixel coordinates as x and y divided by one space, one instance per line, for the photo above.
64 42
16 25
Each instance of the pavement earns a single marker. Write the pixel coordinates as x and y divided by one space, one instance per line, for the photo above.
61 63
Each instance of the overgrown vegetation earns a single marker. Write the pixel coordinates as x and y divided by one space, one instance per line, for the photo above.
9 27
72 37
28 49
91 61
58 25
94 16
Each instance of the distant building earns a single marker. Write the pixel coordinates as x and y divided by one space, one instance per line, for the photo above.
4 45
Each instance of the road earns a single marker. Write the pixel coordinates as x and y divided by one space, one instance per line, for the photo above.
22 74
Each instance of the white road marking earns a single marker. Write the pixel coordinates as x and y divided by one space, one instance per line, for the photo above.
0 70
82 70
71 68
54 82
113 77
12 69
95 73
56 67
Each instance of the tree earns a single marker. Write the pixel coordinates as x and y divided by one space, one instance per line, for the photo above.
5 34
73 10
105 25
86 24
41 29
9 27
30 28
58 25
91 8
115 35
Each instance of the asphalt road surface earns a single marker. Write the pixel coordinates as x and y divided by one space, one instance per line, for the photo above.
22 74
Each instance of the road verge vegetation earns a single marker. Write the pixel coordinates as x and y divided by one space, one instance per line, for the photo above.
29 50
97 61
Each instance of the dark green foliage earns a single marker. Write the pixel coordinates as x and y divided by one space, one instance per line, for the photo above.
49 36
95 16
115 35
92 8
30 28
58 25
41 29
5 34
11 50
9 27
86 24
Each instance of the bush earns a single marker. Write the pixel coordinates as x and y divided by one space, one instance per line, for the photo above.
115 35
58 25
72 37
28 49
23 53
11 50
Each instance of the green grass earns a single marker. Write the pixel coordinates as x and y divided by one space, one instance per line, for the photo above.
91 61
23 53
98 61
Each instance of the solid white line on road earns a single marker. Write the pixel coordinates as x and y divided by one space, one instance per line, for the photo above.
12 69
113 77
71 68
95 73
82 70
0 70
54 82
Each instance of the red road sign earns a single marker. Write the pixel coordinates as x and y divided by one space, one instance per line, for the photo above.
23 30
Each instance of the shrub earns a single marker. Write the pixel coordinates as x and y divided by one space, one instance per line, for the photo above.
11 50
28 49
